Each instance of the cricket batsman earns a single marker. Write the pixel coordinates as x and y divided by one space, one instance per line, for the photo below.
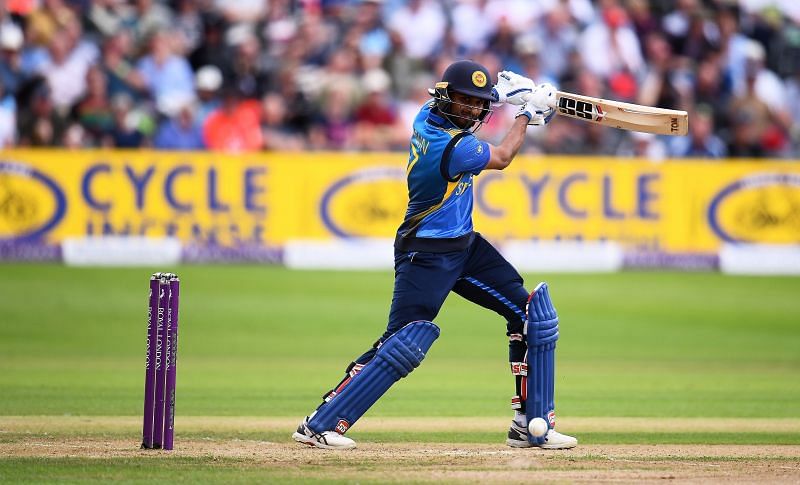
436 251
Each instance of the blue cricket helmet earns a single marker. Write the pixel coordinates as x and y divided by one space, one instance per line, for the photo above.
469 78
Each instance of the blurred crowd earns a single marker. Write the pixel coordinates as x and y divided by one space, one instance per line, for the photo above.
244 75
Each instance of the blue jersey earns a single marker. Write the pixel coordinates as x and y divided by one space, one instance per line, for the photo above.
442 161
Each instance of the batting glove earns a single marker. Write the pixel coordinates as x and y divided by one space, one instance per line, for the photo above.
543 95
512 88
539 105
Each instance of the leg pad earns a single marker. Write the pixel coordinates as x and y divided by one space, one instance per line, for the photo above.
542 334
400 354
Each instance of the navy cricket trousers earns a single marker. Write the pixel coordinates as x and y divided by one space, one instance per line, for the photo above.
479 273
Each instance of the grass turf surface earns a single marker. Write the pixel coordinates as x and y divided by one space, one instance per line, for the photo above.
265 341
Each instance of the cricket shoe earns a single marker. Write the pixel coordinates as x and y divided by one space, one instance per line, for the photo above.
327 439
517 436
553 440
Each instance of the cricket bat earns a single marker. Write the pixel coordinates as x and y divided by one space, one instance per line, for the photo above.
625 116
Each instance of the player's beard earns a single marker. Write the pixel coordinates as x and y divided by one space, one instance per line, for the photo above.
462 123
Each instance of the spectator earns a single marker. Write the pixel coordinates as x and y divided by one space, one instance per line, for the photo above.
189 23
301 113
212 49
121 77
299 64
11 73
8 118
126 132
75 137
163 73
251 78
374 42
84 51
409 107
94 111
106 17
609 47
335 129
340 75
658 87
701 142
420 25
770 89
376 116
66 71
148 18
472 26
518 15
643 20
21 8
278 134
709 90
702 37
180 131
677 23
207 82
503 43
316 40
40 125
734 47
280 28
793 104
45 21
750 122
644 145
234 127
560 35
244 11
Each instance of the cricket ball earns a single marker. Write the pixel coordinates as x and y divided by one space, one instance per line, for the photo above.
538 427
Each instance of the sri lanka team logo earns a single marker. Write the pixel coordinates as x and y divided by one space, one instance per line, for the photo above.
370 202
761 208
31 203
479 79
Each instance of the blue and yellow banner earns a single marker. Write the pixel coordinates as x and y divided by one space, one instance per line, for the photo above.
267 199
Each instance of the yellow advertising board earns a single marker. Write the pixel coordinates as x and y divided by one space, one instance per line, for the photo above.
269 198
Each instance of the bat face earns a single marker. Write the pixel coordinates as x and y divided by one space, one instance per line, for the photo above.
626 116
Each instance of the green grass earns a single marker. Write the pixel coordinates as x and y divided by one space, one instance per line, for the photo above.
146 471
265 341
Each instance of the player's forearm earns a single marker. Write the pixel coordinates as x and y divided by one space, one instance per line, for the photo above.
504 153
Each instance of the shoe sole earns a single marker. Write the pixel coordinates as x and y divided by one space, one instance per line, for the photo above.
525 444
558 447
303 439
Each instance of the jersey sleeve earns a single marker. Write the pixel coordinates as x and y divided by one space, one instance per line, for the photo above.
469 155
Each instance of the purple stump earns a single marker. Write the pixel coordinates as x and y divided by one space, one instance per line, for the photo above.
149 366
161 368
172 362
